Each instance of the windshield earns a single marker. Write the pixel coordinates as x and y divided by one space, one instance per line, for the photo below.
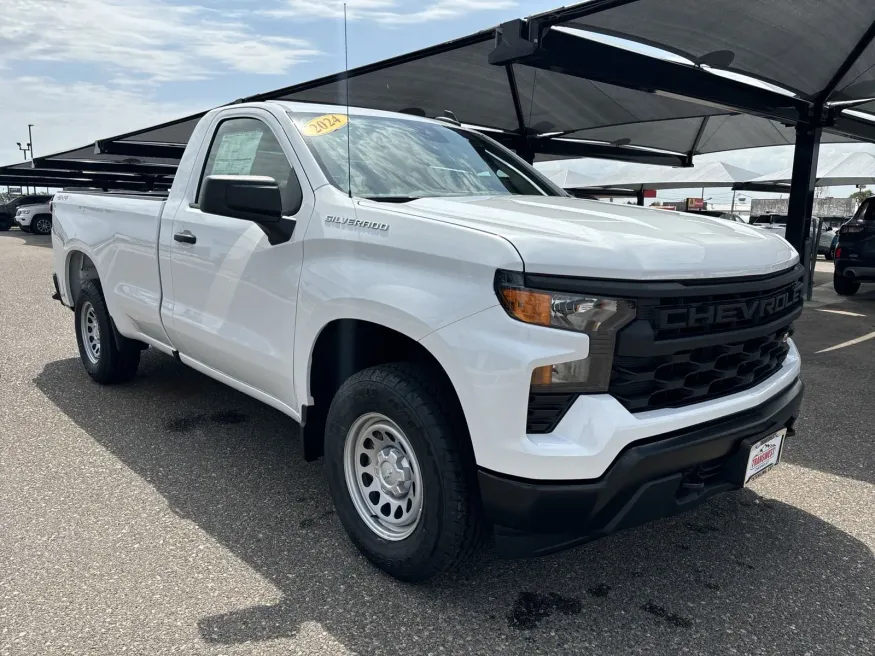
399 159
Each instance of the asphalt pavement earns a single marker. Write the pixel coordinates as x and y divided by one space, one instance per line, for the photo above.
175 515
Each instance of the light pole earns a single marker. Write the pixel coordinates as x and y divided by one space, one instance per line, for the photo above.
30 138
24 150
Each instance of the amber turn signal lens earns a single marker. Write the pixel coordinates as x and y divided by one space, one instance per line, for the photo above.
542 375
528 306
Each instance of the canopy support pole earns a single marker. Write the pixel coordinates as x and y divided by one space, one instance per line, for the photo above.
801 201
697 140
523 147
640 196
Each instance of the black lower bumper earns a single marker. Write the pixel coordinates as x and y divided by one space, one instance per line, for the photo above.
652 478
861 270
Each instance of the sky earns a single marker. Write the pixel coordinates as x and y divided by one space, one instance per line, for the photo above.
80 70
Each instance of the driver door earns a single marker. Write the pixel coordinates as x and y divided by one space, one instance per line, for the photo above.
235 293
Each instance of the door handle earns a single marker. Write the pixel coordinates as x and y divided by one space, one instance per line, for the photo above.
185 237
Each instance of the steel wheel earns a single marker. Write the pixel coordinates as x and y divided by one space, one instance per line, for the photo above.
383 476
42 226
90 332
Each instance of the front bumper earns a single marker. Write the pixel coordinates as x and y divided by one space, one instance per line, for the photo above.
651 478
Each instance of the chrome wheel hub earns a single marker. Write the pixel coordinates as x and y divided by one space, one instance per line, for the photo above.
90 332
383 476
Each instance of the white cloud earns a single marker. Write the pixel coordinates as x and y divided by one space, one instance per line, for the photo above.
72 115
149 40
388 12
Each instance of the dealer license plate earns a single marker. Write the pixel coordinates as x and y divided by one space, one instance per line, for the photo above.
764 455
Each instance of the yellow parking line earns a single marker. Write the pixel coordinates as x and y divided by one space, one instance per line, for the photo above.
848 343
847 314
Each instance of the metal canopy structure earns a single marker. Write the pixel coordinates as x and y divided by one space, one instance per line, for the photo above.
804 63
540 113
712 174
527 110
842 169
100 174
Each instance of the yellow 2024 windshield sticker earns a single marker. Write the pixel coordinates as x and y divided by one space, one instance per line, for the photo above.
324 124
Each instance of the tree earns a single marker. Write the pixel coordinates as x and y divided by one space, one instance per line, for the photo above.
860 195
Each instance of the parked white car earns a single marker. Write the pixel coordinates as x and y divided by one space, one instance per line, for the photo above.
469 348
35 218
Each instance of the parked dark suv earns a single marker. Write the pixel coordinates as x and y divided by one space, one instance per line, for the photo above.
855 251
7 211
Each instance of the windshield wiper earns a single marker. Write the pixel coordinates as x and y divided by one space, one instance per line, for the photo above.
393 199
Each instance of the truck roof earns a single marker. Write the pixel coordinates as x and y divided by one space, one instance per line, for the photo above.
310 108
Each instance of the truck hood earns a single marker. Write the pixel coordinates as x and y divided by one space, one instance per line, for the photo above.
572 236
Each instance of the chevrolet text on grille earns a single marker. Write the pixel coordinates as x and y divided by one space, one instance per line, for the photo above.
758 308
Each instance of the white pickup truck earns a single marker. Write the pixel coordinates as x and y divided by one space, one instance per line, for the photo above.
471 350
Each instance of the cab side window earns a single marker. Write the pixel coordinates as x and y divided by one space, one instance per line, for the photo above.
246 146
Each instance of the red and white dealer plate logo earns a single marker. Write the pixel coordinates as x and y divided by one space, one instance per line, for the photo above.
764 454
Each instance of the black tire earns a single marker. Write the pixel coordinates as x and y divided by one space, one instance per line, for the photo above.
451 527
37 227
118 356
830 254
844 286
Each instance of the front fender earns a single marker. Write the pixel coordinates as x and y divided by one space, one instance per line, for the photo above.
309 330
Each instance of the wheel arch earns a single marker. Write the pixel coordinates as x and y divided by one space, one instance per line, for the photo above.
79 268
345 346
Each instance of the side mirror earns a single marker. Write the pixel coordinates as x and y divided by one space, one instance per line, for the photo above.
249 198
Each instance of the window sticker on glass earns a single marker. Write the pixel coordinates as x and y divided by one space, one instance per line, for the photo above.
324 124
236 153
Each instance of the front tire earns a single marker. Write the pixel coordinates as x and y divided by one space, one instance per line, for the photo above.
41 225
108 358
401 471
844 286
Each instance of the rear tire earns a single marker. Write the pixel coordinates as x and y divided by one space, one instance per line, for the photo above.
107 357
845 287
404 410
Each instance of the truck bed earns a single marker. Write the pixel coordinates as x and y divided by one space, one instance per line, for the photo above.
119 233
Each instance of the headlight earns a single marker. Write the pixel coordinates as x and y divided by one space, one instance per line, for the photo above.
598 317
23 212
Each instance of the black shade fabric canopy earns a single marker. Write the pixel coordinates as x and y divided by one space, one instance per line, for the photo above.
799 45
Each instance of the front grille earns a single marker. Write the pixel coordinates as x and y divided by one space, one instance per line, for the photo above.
690 341
545 411
674 317
698 374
